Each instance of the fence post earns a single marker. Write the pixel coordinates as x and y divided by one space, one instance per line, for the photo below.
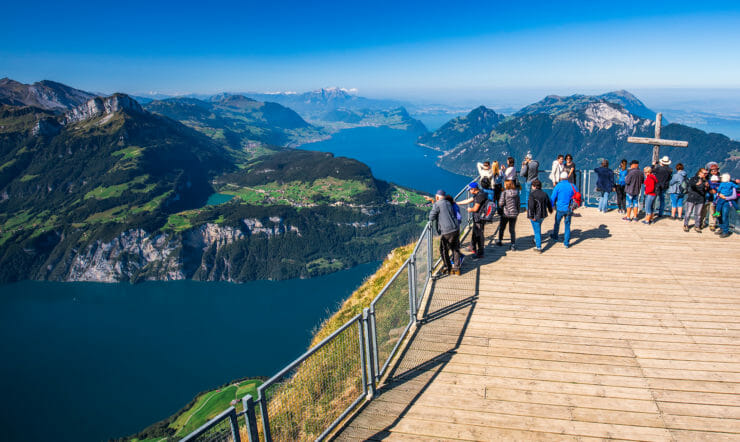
265 418
412 288
430 251
374 343
250 418
368 353
234 426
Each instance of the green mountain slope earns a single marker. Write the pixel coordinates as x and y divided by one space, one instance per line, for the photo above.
111 192
239 122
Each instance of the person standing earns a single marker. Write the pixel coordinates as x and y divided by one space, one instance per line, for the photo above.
498 180
725 202
633 184
538 207
485 170
509 203
677 190
696 196
529 173
556 169
604 184
562 195
651 186
663 174
570 168
713 170
510 172
448 227
477 198
621 195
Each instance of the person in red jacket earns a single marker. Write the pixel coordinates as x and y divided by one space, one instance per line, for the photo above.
651 183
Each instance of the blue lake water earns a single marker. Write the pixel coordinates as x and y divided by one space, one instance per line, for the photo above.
88 361
218 198
91 361
393 156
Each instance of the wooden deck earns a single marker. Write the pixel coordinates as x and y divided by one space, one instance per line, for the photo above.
632 333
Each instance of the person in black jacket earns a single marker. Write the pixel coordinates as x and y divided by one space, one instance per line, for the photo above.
633 183
663 173
538 207
695 198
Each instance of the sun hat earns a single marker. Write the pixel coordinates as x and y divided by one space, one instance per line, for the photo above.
563 175
473 185
725 177
665 161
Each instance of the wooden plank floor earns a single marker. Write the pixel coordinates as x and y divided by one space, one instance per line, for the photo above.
633 333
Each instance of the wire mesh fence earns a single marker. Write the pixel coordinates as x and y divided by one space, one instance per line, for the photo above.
391 317
307 398
222 428
421 261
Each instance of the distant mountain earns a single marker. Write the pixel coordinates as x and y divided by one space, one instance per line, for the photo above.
629 102
314 104
47 95
239 122
397 118
480 120
589 127
109 191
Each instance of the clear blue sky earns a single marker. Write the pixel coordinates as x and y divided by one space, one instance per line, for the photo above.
382 48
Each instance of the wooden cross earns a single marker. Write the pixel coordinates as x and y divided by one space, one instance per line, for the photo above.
657 141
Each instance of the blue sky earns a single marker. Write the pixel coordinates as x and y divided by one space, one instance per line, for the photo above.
401 49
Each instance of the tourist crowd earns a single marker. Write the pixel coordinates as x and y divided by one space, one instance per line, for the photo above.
708 198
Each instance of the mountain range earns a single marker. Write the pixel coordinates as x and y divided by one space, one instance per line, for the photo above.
110 191
591 128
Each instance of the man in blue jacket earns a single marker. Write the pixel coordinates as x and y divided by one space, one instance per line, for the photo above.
562 194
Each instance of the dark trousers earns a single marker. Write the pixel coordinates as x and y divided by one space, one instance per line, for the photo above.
512 228
450 242
621 198
477 237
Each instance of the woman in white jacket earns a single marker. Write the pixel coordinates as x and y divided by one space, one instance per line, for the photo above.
557 167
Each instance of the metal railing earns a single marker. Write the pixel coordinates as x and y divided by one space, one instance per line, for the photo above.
308 398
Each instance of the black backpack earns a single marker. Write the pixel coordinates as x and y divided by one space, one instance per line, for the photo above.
487 211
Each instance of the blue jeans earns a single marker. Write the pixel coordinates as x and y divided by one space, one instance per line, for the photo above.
661 202
649 203
677 200
537 228
524 196
604 201
562 215
725 214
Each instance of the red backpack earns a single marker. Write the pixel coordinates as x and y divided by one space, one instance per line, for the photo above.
577 199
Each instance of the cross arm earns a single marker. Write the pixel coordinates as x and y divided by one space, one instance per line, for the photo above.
657 142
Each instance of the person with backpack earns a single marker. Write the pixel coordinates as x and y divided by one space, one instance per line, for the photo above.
509 203
448 227
564 201
604 184
633 184
677 190
478 199
538 207
621 194
663 174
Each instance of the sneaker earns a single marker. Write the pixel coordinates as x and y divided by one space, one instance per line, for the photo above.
697 229
538 249
566 246
512 247
724 234
645 222
716 214
712 228
686 228
498 242
455 271
626 218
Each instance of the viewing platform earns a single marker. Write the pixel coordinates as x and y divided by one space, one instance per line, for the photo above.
631 333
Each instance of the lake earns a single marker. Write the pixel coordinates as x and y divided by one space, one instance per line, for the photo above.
393 156
91 361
